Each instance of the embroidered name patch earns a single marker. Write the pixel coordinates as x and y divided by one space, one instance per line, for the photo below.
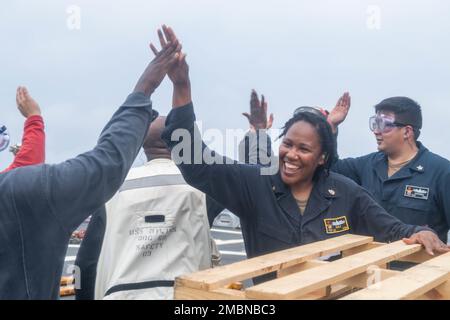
336 225
417 192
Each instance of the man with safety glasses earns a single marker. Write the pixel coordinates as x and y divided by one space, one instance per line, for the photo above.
408 180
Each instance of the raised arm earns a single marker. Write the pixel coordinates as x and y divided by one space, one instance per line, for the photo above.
220 178
349 167
256 147
76 188
32 150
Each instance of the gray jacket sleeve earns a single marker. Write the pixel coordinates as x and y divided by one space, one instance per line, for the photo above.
78 187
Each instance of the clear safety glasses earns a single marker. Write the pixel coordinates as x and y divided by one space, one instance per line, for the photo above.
383 124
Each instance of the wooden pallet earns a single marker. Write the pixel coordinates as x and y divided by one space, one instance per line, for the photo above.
360 274
66 287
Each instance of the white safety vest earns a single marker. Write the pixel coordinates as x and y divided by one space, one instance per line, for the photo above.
157 229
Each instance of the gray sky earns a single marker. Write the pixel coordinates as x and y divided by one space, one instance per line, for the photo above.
295 52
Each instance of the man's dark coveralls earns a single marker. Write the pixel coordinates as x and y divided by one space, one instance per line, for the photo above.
40 206
270 217
418 194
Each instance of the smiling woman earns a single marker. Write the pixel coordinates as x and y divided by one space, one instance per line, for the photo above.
306 151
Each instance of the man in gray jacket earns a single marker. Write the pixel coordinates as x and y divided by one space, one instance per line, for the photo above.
40 206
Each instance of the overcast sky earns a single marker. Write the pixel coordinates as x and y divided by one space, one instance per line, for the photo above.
295 52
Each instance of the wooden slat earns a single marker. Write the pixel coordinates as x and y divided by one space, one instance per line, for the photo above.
299 284
218 277
363 280
443 291
300 267
65 281
417 257
328 293
67 291
411 283
364 247
185 293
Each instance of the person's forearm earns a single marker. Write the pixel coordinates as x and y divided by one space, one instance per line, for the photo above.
34 140
32 150
334 128
79 186
181 95
146 83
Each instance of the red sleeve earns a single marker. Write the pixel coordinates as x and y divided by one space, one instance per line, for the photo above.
33 144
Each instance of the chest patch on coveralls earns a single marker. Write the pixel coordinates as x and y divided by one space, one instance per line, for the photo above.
336 225
417 192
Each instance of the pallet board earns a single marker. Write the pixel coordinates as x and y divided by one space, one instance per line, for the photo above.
66 287
360 274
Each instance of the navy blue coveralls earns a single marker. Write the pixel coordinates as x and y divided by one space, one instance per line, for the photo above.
270 217
418 194
40 206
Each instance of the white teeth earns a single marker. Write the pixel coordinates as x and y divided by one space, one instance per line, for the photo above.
291 166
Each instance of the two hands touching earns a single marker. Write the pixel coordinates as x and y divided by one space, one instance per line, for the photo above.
171 61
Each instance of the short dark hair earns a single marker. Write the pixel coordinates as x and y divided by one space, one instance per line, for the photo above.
323 128
406 110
